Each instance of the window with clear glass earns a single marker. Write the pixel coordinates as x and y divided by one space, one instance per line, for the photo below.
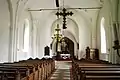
26 36
103 36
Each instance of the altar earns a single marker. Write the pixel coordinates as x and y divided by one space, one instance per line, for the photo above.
65 56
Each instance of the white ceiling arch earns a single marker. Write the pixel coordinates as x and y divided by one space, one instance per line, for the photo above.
71 26
51 4
72 3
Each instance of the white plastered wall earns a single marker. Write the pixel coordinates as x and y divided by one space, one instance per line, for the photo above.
108 12
4 30
24 19
20 14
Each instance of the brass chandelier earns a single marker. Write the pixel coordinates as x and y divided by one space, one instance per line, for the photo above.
57 34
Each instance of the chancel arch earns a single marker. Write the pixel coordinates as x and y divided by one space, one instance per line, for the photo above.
72 26
72 32
70 36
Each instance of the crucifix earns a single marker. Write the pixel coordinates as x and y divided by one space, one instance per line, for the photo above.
64 13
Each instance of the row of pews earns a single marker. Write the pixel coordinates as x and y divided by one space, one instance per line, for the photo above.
94 69
31 69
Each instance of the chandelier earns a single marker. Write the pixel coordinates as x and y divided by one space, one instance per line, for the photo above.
57 35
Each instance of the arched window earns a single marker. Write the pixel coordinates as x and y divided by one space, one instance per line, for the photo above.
103 36
26 36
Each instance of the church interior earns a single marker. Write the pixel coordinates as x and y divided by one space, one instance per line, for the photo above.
59 40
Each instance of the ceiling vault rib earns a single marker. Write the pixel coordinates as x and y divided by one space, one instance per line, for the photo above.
66 8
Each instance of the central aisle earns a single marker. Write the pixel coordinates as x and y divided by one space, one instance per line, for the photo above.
62 70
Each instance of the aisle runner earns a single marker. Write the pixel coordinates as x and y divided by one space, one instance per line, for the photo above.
62 71
61 74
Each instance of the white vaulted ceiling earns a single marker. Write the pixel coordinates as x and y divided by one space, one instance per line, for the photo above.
43 18
79 26
84 19
72 3
46 4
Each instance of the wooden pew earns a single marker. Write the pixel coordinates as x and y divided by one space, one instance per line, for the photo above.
12 73
95 70
92 68
44 69
32 69
45 63
90 73
26 68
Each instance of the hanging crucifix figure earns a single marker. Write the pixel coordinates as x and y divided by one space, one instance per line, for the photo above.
64 13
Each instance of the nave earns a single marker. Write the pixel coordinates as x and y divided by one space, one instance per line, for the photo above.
50 69
38 37
31 69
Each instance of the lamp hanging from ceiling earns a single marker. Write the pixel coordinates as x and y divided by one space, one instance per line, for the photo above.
57 34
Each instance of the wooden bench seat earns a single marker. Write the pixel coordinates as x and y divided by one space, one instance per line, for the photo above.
95 70
13 72
27 70
102 78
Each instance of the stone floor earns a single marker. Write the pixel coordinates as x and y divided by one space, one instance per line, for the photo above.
62 71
